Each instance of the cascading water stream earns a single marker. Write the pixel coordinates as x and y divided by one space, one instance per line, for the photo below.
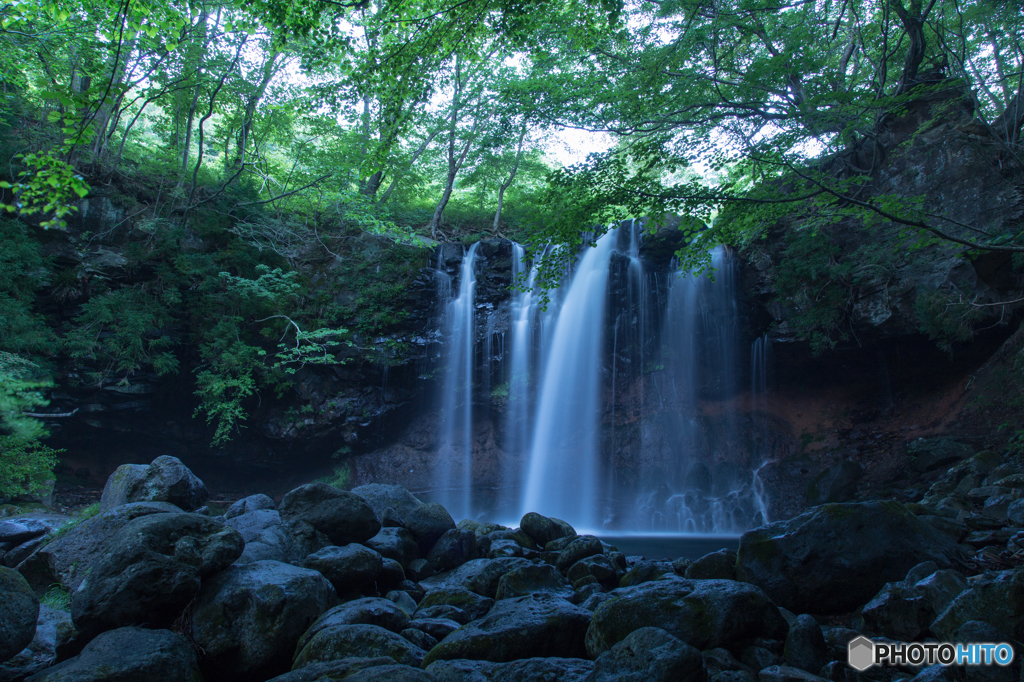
454 470
564 463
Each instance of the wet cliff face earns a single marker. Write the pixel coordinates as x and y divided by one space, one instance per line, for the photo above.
874 379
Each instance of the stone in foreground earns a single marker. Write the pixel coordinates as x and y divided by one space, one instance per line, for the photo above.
525 627
129 655
834 558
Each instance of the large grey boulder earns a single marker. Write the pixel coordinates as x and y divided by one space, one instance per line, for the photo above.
269 537
541 669
381 497
341 516
482 575
649 655
580 548
525 627
19 610
427 523
151 569
834 558
395 543
702 613
453 549
366 611
249 504
67 559
53 628
165 479
129 655
352 567
247 619
544 529
335 642
457 603
533 579
805 646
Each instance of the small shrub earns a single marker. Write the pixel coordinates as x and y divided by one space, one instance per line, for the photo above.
25 465
339 479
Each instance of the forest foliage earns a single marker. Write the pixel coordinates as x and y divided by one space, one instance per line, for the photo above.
257 144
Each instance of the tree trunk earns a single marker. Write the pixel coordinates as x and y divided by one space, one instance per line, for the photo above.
511 176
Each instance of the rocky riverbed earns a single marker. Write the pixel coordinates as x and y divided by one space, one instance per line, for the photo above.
374 584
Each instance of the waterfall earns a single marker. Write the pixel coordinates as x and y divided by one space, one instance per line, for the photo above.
454 469
695 490
522 323
564 462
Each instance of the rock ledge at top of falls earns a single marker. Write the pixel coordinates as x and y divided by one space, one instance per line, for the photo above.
835 557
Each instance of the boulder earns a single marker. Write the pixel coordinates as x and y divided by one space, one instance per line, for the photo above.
544 529
438 628
53 628
905 610
268 537
391 575
525 627
702 613
395 543
344 669
834 558
247 619
516 535
366 611
16 530
533 579
598 566
997 599
67 559
580 548
805 646
402 600
540 669
151 569
129 654
165 479
469 604
453 549
649 655
352 567
382 497
19 610
645 571
249 504
419 638
720 565
341 516
335 642
482 575
498 549
427 523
